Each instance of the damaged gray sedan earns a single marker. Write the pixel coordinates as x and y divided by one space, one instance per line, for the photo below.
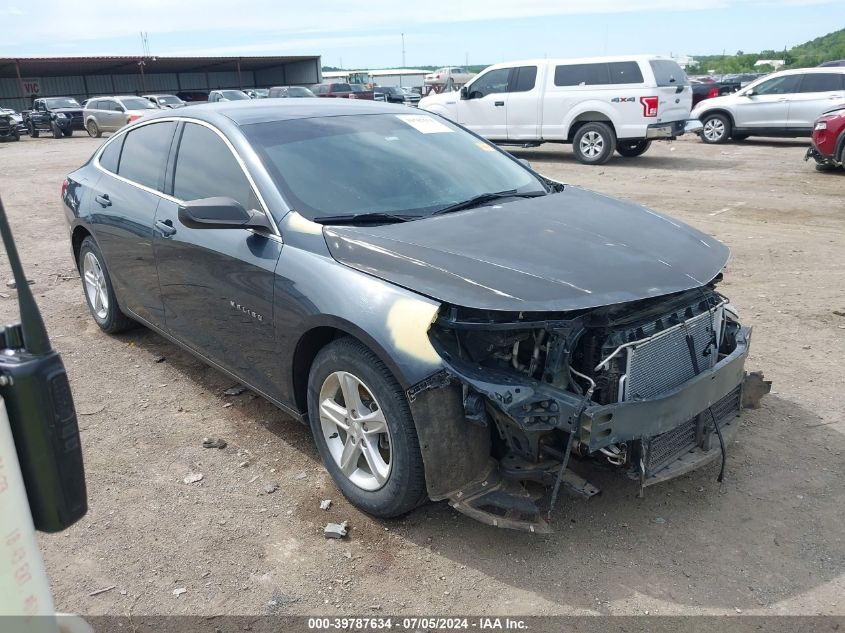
450 323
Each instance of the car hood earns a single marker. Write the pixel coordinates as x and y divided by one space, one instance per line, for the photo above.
567 251
67 110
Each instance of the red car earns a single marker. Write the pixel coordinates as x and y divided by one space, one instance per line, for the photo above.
828 148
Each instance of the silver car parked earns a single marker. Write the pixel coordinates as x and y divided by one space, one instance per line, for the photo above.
109 114
784 104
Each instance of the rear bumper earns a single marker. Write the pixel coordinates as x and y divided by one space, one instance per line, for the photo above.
668 130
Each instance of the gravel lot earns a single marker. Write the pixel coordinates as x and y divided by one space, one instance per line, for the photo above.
770 540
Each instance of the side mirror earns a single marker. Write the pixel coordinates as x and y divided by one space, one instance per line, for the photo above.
749 93
464 93
220 213
525 163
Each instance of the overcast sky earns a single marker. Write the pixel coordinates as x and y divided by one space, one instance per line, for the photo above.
367 33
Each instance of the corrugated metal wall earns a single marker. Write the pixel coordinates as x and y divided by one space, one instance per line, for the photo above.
79 87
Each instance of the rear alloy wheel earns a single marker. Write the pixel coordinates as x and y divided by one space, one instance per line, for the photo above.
364 431
716 128
93 129
594 143
632 149
99 292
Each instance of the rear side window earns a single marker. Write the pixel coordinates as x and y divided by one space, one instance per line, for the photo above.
111 155
523 79
206 168
668 73
625 73
582 75
145 152
822 82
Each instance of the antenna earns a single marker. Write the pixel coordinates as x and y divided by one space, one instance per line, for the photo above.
34 333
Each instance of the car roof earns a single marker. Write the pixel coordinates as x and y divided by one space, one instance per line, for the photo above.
581 60
814 71
263 110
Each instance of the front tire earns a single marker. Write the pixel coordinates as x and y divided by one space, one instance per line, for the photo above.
99 292
594 143
93 129
57 131
364 431
67 132
632 149
716 129
33 133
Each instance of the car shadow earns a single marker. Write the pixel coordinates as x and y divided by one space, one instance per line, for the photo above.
771 533
647 161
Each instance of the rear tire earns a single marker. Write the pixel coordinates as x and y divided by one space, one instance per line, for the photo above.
32 131
355 455
632 149
98 289
93 129
594 143
716 129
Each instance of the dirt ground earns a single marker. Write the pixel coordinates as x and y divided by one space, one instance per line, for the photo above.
769 541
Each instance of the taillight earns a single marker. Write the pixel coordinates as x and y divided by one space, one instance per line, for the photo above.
714 92
437 76
65 183
649 106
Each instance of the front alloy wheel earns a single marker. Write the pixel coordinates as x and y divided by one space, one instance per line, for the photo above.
362 424
355 430
716 128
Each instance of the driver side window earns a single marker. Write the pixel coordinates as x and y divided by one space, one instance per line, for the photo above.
493 82
787 84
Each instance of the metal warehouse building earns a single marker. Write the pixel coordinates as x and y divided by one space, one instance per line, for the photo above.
21 80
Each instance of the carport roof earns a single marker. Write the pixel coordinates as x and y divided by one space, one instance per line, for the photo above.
64 66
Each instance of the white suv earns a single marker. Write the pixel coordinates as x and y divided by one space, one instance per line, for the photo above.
598 104
781 104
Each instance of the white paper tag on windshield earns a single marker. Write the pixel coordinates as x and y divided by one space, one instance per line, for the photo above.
423 123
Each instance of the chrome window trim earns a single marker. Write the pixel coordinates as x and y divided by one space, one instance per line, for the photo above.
170 198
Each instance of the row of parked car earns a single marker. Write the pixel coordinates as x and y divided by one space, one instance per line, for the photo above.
622 104
62 116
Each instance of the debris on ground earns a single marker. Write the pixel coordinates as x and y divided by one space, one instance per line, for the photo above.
300 476
159 359
13 284
659 520
179 591
753 389
271 488
103 590
94 411
234 391
254 479
336 530
325 504
243 464
227 405
213 442
192 478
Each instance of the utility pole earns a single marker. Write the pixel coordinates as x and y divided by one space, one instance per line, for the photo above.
403 50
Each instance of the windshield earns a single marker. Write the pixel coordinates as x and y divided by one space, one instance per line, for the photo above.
357 88
136 103
400 164
170 100
234 95
297 91
62 102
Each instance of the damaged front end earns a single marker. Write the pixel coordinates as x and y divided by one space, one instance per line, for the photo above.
643 387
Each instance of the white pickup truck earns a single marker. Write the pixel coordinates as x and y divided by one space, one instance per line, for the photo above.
598 104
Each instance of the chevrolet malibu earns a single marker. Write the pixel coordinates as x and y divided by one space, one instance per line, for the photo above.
451 325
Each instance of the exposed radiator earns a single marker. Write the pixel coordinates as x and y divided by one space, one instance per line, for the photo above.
663 362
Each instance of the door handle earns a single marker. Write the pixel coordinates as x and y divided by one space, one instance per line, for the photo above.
165 227
103 200
499 103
